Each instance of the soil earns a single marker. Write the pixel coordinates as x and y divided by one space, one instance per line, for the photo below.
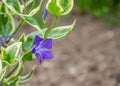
89 56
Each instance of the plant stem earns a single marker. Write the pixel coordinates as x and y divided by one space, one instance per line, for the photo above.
12 70
17 74
25 7
54 24
19 25
33 5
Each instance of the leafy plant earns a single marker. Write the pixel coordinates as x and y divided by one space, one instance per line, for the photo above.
38 42
98 7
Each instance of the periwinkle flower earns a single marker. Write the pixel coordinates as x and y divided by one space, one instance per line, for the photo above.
42 48
45 14
0 84
3 40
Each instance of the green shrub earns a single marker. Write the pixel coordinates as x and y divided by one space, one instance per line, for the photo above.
98 7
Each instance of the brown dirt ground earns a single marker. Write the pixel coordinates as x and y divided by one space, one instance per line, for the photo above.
89 56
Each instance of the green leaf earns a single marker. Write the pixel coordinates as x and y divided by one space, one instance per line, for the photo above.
2 74
60 32
33 22
27 45
53 6
17 73
25 78
27 4
67 6
13 83
10 53
35 10
59 7
22 38
3 56
2 8
0 66
14 5
6 23
27 57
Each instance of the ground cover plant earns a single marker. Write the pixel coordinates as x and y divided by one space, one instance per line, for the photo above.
108 10
37 44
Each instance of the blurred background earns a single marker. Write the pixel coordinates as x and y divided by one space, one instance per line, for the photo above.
90 55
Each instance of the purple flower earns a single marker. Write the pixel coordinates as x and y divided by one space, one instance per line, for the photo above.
0 84
45 14
3 40
42 48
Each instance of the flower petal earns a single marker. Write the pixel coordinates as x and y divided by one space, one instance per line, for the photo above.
45 14
9 36
33 49
3 43
47 44
39 57
46 54
37 40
